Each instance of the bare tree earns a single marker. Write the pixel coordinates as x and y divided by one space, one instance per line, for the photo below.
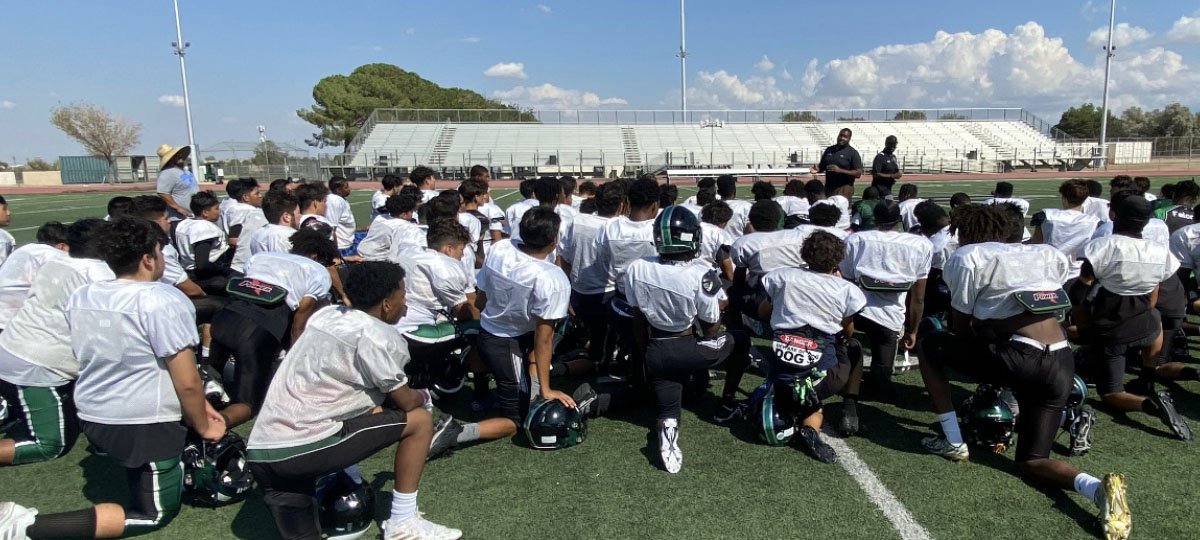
102 134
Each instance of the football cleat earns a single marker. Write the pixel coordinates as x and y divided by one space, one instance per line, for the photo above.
725 413
1081 431
14 520
849 426
417 528
1169 416
668 446
1115 519
445 437
815 446
957 453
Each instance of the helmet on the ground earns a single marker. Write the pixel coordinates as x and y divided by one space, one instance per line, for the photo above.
450 376
216 473
777 427
550 425
929 326
347 508
987 420
1078 392
676 231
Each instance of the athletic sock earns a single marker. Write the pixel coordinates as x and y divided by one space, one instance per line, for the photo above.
1087 485
354 474
74 524
204 351
404 506
470 433
949 422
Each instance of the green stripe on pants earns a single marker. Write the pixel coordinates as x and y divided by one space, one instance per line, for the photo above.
156 493
50 424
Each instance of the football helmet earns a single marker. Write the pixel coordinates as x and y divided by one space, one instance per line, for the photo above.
550 425
215 473
677 231
777 427
987 420
347 508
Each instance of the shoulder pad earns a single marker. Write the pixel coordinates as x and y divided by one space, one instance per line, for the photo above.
711 283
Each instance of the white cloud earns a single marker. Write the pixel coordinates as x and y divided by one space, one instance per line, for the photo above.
548 96
1186 30
174 100
6 104
785 75
471 39
1124 35
509 70
721 89
765 64
543 8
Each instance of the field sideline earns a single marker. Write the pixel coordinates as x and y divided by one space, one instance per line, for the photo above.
731 486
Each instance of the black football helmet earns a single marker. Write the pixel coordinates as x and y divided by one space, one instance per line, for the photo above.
677 231
215 473
550 425
347 508
987 420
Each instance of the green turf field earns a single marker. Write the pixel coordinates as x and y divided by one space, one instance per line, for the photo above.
731 486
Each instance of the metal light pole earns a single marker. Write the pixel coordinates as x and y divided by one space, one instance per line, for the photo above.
1109 51
682 62
179 47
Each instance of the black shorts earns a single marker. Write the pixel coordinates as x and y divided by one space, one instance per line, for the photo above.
506 357
135 445
1040 379
783 374
1106 363
151 455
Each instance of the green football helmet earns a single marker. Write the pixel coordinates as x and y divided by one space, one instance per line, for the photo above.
551 425
987 420
215 473
677 230
777 427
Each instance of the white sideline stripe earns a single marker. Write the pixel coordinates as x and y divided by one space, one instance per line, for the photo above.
509 194
892 508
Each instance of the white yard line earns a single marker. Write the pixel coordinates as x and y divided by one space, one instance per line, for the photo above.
895 512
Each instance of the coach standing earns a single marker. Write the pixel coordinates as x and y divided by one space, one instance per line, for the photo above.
884 170
840 163
176 184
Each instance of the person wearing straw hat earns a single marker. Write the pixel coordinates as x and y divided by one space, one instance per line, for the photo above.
176 184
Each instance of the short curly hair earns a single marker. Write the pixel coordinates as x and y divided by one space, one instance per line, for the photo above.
822 252
370 282
122 243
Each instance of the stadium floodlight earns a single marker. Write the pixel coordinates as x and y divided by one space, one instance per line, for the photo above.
712 125
1109 51
179 47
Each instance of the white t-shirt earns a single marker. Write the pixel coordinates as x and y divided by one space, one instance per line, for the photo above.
192 231
712 239
301 276
173 273
1184 244
890 256
1128 266
1067 231
1096 207
338 212
17 275
1021 203
1156 231
619 243
513 215
800 298
121 331
344 364
793 205
673 296
520 288
378 200
983 277
271 238
251 222
433 283
842 204
38 333
385 234
741 215
235 213
908 216
578 248
7 245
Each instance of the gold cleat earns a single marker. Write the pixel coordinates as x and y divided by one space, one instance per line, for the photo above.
1114 508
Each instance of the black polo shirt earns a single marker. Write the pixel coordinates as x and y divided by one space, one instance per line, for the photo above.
884 163
845 157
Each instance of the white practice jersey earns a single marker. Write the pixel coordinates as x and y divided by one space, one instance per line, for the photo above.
984 277
674 296
1185 246
520 289
234 214
7 245
173 273
344 364
1156 231
17 275
1067 231
512 216
746 252
1096 207
842 204
712 239
793 205
908 215
1128 266
252 222
121 331
803 298
785 253
1021 203
192 231
339 213
378 201
38 333
271 238
433 284
475 232
890 256
301 276
619 243
387 233
579 249
944 243
741 216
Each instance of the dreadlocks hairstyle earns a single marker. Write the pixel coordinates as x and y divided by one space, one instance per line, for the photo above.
977 223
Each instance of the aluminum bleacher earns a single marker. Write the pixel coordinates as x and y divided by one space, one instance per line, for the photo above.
620 142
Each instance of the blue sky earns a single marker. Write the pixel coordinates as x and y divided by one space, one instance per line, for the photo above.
255 63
